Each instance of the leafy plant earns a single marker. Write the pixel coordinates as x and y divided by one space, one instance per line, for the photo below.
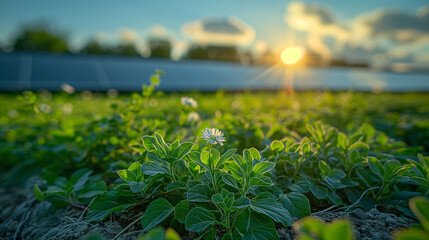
311 228
420 207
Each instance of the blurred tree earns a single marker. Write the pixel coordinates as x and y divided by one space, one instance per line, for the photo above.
211 52
247 57
94 47
127 49
97 48
40 37
159 48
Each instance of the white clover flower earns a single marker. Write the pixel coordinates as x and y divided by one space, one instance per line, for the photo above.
213 136
187 101
193 117
67 88
45 108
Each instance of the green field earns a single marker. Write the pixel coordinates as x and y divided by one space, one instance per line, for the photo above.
294 154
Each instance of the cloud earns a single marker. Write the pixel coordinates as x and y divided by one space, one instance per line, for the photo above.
260 47
219 31
381 35
159 30
398 26
127 35
315 18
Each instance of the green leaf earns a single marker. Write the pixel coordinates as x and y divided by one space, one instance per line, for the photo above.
176 186
263 167
277 146
375 166
324 168
254 153
333 183
204 158
170 234
242 202
301 185
136 169
235 169
183 150
241 166
225 157
231 181
200 193
337 174
80 183
248 161
391 167
154 168
261 233
296 203
93 189
181 210
161 145
155 213
318 191
214 157
149 143
199 219
195 157
342 141
309 228
260 181
248 222
172 147
335 198
137 186
339 230
105 205
38 193
266 204
420 208
127 175
411 234
156 233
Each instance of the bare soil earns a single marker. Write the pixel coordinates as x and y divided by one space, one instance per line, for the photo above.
23 217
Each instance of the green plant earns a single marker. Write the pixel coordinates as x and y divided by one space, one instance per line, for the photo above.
311 228
420 207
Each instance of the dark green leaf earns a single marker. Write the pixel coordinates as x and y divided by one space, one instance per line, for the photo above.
181 210
296 203
38 193
198 219
156 212
200 193
266 204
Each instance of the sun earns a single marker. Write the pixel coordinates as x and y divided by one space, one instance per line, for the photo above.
291 55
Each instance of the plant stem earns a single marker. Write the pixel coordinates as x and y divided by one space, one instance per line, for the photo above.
77 205
379 192
126 228
211 170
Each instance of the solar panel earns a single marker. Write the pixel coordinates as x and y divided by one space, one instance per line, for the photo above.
21 71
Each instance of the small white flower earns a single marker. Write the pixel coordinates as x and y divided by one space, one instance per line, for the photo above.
187 101
45 108
67 88
213 136
193 117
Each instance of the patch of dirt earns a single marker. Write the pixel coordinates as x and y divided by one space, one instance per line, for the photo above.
372 225
23 217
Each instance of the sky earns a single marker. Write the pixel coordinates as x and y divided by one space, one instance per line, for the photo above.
376 31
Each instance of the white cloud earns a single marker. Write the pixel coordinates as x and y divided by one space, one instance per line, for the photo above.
219 31
260 47
382 35
158 30
127 35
